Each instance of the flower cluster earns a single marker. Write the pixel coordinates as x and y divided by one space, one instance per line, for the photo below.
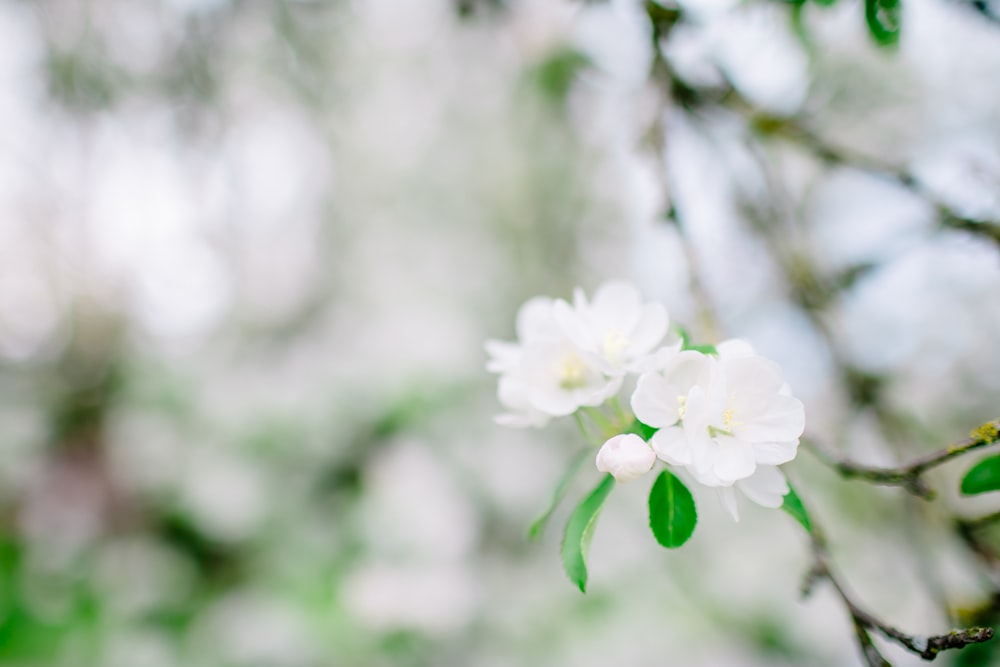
724 415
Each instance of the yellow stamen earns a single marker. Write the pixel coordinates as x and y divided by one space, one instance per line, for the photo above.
615 343
572 372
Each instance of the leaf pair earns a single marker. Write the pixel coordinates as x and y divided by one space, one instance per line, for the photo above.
672 518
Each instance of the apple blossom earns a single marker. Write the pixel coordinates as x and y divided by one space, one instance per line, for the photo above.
534 322
545 374
737 416
626 457
616 326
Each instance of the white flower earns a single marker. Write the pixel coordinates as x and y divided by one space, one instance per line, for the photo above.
545 374
616 326
535 322
721 417
513 395
625 456
557 378
660 396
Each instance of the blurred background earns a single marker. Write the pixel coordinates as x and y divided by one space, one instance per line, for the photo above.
250 250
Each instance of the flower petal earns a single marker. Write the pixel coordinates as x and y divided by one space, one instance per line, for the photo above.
783 421
752 383
727 496
553 401
616 306
572 325
649 330
657 360
733 348
734 459
503 355
671 445
654 401
775 453
766 487
689 368
534 319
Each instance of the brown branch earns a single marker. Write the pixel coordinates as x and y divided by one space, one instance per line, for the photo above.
693 100
865 622
909 476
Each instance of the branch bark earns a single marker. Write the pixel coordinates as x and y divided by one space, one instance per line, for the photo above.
910 475
927 647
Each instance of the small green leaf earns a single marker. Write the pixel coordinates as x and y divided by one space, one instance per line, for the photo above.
555 74
883 18
562 486
644 431
982 477
672 514
686 343
579 531
793 505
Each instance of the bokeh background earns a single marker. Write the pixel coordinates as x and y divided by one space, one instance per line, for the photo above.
250 250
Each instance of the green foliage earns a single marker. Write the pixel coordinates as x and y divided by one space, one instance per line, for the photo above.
672 513
686 343
644 431
562 486
883 18
82 81
580 530
982 477
555 74
793 505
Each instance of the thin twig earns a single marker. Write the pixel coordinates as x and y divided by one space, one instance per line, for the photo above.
909 476
865 622
695 100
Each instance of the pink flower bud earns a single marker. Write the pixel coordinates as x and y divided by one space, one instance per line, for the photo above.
626 457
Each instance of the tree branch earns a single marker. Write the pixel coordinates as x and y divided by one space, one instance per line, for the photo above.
794 128
865 622
909 476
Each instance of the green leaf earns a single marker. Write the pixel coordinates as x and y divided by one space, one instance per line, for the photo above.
562 486
644 431
579 531
672 514
883 18
793 505
686 343
982 477
555 75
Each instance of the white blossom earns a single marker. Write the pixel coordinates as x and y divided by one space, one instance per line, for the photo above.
616 326
722 417
544 374
534 323
626 457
